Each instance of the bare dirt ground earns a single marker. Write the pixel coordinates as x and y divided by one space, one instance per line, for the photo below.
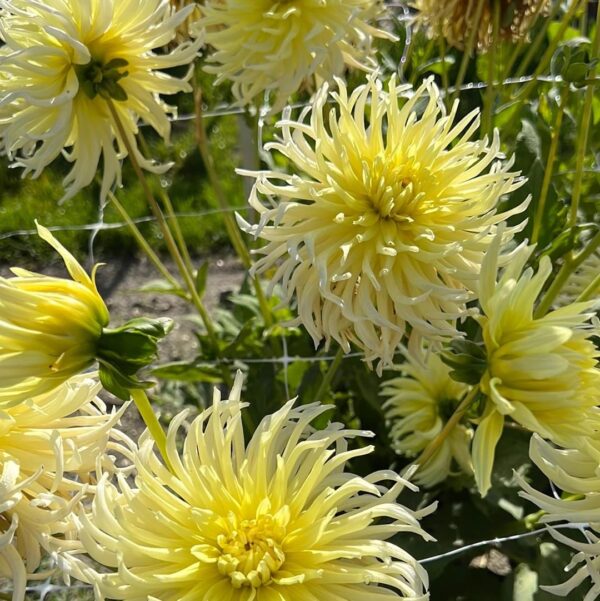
120 282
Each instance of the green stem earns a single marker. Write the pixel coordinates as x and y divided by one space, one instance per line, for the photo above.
533 46
329 375
171 215
490 92
544 61
188 277
572 262
437 442
548 172
143 243
230 225
466 57
414 74
590 290
584 129
140 398
445 81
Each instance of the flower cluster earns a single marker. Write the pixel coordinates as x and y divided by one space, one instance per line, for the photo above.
277 45
276 518
77 76
386 216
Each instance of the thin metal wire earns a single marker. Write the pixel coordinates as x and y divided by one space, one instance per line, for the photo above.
499 541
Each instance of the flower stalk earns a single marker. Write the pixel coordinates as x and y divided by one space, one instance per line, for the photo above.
169 240
235 236
466 57
548 172
584 129
143 243
490 92
329 375
571 263
454 420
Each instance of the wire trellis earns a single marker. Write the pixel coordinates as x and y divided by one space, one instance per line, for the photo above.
44 590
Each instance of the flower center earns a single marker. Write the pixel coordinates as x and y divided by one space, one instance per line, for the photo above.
97 78
391 192
251 551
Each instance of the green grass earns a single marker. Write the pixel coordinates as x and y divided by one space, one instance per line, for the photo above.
22 201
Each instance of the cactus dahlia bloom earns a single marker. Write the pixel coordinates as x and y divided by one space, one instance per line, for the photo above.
65 62
455 19
576 472
274 518
44 443
49 327
541 372
418 404
276 45
385 218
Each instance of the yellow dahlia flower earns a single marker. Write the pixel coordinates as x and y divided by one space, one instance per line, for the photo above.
276 518
542 373
418 406
275 45
576 472
65 60
48 445
386 217
49 327
455 19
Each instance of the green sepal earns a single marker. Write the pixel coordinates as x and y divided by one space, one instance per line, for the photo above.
118 383
123 351
467 359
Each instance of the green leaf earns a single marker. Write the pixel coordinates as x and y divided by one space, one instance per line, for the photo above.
184 371
570 33
244 334
200 280
162 287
